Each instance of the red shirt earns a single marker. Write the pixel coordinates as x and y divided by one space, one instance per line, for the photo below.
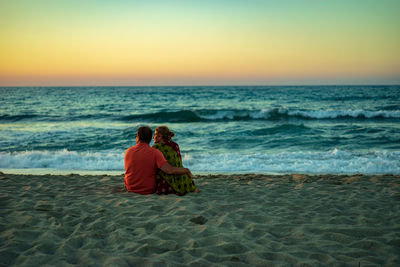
141 165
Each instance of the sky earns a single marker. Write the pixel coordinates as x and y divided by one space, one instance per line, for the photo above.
207 42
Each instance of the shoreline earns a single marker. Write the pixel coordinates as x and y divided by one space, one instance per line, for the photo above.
51 171
241 220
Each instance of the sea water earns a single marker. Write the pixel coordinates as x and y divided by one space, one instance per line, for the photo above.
264 129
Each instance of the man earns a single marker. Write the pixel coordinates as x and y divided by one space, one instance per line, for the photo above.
142 163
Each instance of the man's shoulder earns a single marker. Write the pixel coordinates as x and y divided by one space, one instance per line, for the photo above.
131 148
144 149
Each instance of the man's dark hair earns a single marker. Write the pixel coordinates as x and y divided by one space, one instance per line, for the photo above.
145 134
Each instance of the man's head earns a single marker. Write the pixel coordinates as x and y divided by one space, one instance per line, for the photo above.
144 134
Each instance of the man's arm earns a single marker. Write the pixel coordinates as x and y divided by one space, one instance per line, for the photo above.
169 169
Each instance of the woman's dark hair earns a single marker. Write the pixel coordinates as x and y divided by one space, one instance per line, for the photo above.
165 132
145 134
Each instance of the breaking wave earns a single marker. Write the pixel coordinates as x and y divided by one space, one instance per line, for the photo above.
265 114
333 161
204 115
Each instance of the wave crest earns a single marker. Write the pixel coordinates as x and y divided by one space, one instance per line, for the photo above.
204 115
265 114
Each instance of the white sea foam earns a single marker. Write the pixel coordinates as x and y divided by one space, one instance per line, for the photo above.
232 114
308 114
334 162
63 160
333 114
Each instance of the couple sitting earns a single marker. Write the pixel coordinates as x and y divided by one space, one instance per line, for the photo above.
143 164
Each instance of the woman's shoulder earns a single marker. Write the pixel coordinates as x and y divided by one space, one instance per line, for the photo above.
170 144
162 147
174 143
158 145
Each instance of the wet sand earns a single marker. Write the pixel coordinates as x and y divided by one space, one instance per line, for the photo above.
236 220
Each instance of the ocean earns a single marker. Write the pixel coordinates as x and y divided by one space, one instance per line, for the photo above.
223 129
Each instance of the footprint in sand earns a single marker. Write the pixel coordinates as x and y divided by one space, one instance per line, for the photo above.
199 220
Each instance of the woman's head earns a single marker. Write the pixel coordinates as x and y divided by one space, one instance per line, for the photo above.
162 133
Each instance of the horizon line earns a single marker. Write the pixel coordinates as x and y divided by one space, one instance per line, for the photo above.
211 85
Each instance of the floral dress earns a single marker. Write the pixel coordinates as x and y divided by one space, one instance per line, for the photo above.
172 183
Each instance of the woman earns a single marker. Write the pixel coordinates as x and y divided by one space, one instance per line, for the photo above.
169 183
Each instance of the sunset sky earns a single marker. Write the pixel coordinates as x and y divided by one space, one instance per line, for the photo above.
207 42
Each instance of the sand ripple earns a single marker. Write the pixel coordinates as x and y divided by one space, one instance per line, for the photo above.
236 220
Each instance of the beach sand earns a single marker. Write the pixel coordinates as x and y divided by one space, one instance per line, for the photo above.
236 220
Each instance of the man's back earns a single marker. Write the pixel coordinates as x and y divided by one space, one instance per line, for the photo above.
141 165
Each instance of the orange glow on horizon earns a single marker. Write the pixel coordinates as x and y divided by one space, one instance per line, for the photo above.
264 42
